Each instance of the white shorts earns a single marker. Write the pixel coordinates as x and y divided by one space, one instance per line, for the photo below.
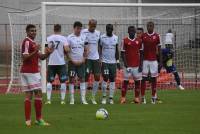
31 81
132 72
150 67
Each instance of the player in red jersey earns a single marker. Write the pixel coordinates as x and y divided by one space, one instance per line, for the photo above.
30 76
152 47
131 49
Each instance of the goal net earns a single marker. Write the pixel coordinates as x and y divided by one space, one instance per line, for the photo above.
182 19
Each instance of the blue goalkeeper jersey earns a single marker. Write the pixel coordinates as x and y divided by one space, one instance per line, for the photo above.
167 54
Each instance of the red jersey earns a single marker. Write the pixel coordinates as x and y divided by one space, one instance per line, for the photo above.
30 65
132 51
150 44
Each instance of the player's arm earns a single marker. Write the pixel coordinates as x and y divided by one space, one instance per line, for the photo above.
160 56
86 50
26 55
123 54
141 59
48 51
117 56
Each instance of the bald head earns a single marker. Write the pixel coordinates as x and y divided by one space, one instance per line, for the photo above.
92 25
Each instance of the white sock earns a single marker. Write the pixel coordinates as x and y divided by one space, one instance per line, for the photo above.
49 90
71 90
104 87
95 88
112 89
83 90
63 91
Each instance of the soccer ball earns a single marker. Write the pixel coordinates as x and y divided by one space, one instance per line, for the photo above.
101 114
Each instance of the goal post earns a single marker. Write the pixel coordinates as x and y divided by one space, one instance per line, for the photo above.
178 16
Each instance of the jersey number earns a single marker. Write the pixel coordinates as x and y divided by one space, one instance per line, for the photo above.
55 45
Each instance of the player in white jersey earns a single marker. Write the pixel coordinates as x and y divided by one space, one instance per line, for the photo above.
92 61
110 60
76 66
169 38
56 64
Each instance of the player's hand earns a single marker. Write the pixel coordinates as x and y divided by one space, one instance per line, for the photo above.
128 69
140 69
48 50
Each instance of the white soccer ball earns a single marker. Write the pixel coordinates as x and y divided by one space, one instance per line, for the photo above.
101 114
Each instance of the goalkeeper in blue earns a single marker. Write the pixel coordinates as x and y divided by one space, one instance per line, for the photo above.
168 55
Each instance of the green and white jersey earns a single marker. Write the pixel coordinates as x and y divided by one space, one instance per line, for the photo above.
93 41
57 42
76 45
108 45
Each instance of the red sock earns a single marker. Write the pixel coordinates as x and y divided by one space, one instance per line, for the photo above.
137 89
27 108
153 87
38 108
124 88
143 88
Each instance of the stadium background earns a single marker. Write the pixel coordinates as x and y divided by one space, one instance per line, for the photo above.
26 5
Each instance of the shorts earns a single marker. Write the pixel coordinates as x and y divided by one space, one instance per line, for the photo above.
31 81
108 70
93 66
57 69
76 70
150 67
132 72
170 69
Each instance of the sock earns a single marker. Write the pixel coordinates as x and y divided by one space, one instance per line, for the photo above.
49 90
104 87
38 108
27 109
63 91
124 88
112 89
83 90
143 88
137 89
177 78
95 88
153 87
71 90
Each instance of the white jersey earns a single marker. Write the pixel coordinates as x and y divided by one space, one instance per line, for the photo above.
57 42
93 41
108 48
169 38
76 45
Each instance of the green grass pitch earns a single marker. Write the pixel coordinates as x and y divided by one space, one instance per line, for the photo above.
179 114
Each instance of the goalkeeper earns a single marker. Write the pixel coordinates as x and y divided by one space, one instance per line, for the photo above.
168 54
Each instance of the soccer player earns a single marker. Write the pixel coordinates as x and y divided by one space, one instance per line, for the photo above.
110 60
77 55
92 61
167 54
151 47
131 52
56 64
30 75
139 32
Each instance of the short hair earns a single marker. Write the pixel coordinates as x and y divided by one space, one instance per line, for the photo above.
93 20
77 24
109 25
29 26
57 28
131 27
150 22
141 29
